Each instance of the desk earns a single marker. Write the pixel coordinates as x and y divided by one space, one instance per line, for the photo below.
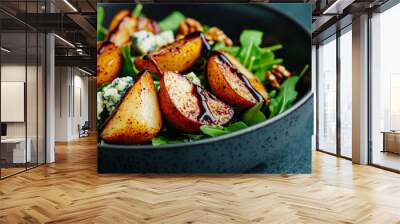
15 148
391 141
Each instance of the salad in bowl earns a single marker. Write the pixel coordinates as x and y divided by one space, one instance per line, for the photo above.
180 80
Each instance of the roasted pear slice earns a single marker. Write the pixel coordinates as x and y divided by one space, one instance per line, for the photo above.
137 118
187 106
254 81
121 27
123 24
109 62
232 82
178 56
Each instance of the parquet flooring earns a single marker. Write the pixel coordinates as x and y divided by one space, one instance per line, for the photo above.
71 191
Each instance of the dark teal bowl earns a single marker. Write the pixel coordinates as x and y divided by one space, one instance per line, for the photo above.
279 145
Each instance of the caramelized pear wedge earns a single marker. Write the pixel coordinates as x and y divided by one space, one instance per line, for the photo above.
109 62
123 24
178 56
233 83
137 118
121 27
187 106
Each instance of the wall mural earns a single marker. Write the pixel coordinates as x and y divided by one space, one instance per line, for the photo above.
204 88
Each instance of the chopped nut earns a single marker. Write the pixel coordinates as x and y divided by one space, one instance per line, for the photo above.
272 80
215 34
188 26
278 74
281 70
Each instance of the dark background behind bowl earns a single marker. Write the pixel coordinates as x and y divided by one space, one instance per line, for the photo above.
279 145
232 18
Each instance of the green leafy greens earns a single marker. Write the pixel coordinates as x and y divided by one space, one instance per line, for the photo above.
167 136
128 68
101 31
287 94
138 10
256 59
172 21
214 130
254 115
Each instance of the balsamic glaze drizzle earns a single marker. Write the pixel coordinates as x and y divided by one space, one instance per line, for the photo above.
205 112
206 48
101 47
241 76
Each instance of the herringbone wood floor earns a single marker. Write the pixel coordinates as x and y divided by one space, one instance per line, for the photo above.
71 191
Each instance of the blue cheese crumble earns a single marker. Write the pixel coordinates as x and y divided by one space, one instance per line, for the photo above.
144 41
111 94
193 78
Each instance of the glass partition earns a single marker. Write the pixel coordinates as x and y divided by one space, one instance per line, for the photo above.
385 89
15 149
327 96
346 93
23 90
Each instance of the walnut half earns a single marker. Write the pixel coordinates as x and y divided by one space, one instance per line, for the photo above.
188 26
212 35
215 34
278 74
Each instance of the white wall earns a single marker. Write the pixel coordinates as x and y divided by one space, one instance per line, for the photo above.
71 102
12 73
33 127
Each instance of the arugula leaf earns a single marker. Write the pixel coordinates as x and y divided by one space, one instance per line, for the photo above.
234 51
218 46
304 70
250 41
287 94
101 31
205 28
254 115
213 130
128 66
272 94
170 137
192 136
236 126
138 10
172 21
251 37
162 140
272 48
267 64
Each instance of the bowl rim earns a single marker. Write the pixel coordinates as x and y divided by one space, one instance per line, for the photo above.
253 128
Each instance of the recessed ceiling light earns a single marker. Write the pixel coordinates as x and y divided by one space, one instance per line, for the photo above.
70 5
5 50
64 40
84 71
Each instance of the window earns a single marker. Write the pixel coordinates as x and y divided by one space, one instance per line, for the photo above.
346 92
327 96
385 89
